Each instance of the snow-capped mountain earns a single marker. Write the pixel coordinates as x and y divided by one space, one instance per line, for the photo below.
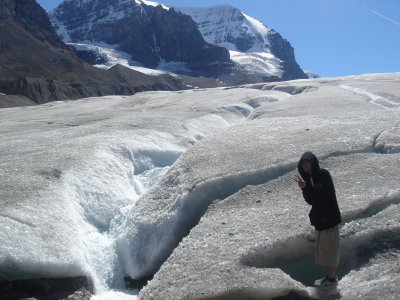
252 44
149 32
227 26
155 36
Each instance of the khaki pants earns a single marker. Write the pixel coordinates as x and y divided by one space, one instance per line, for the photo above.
327 248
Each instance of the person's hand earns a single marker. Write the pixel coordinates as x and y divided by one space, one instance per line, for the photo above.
300 182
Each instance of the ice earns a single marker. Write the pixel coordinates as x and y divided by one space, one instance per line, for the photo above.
389 141
381 277
116 295
252 153
195 186
266 226
69 167
378 100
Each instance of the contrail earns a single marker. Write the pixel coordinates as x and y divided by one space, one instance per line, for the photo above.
382 16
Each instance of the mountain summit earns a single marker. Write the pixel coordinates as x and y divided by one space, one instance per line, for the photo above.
252 44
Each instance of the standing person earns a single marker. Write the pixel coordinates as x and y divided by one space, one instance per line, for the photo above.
319 192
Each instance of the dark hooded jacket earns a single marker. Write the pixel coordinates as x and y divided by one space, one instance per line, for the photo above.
320 194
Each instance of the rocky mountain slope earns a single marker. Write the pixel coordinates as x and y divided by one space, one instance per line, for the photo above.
154 34
36 64
150 34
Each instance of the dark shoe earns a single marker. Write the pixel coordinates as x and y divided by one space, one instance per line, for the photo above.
326 283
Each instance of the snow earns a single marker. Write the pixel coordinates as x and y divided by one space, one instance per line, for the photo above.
151 3
196 187
258 63
113 56
260 27
221 23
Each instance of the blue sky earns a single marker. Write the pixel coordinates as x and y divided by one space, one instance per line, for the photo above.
330 37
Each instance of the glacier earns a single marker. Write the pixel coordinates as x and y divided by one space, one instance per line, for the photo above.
194 187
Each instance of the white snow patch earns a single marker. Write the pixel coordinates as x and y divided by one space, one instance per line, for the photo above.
260 27
151 3
262 63
113 56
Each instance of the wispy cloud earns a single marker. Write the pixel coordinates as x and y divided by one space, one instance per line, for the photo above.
382 16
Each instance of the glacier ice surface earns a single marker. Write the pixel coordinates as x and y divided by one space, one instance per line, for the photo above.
199 184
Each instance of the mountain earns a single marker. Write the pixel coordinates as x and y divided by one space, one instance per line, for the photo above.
252 45
36 64
150 33
219 41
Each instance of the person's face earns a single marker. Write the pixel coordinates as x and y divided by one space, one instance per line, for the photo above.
306 165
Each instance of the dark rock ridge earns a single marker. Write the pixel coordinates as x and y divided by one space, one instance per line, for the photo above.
36 64
74 288
151 34
282 49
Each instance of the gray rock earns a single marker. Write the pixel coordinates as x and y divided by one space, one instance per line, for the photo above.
14 100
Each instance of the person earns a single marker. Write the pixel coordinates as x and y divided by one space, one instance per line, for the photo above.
318 191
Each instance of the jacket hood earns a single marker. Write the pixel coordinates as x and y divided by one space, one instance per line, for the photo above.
310 157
